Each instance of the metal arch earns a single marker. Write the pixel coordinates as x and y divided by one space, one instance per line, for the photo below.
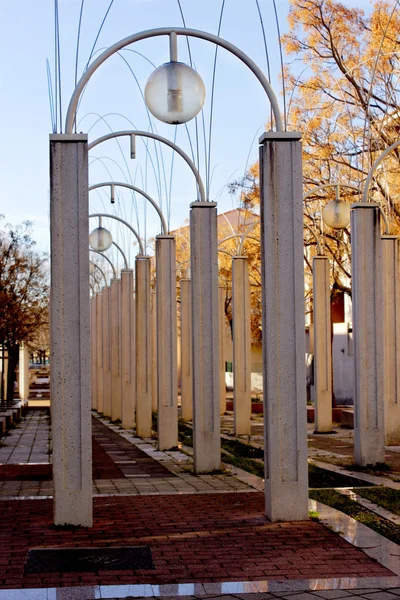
139 191
330 185
159 138
320 252
373 169
125 223
123 254
101 271
70 118
107 259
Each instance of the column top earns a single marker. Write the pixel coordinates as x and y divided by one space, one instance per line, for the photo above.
386 236
280 136
165 236
68 137
365 205
203 204
241 256
142 257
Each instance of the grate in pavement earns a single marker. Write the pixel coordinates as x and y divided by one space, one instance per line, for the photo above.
89 560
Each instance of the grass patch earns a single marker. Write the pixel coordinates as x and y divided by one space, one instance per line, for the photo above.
322 478
185 434
359 513
384 496
378 469
247 464
242 450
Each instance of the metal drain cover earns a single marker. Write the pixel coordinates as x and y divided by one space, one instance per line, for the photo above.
74 560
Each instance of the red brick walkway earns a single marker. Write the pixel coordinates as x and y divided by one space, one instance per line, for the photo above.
193 538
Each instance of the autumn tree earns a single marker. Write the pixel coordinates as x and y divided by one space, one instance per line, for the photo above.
23 294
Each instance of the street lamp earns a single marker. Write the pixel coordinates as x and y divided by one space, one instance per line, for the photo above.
100 239
336 214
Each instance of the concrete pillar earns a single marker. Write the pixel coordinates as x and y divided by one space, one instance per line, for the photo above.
285 426
205 337
322 345
93 352
221 328
23 382
391 317
154 350
70 331
367 301
99 352
186 350
143 347
241 346
115 332
167 368
106 351
128 401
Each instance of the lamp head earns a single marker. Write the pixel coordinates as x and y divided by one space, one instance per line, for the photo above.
100 239
336 214
174 93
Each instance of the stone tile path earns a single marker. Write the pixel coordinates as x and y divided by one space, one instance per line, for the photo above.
28 442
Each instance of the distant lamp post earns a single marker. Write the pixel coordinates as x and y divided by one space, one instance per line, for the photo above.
100 239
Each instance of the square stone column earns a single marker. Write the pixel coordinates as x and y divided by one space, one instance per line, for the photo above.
93 351
99 352
143 347
70 331
167 368
116 380
285 421
205 337
154 350
105 304
322 345
23 380
128 399
221 327
391 317
241 346
186 350
367 302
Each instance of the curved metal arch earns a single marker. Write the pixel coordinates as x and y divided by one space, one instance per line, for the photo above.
107 259
135 233
330 185
377 162
159 138
242 237
123 254
101 271
320 251
70 118
129 186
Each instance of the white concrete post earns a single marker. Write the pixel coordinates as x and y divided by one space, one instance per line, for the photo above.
186 350
154 350
205 337
322 345
167 368
99 352
241 346
367 301
285 426
106 351
116 380
70 331
23 382
391 316
128 400
221 327
93 350
143 347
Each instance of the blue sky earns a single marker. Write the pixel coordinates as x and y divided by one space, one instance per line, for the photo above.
240 105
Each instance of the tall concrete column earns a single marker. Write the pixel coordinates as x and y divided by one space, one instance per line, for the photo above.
154 350
143 347
391 317
285 422
70 331
221 328
128 400
99 352
367 302
186 350
167 367
93 352
322 345
23 382
106 351
241 346
205 337
116 381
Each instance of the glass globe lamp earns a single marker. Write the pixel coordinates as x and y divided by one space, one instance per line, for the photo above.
174 93
100 239
336 214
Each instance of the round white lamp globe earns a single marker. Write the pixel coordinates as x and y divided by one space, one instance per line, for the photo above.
336 214
100 239
174 93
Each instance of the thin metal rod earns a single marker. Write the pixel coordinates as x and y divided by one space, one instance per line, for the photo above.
125 223
123 254
107 259
320 251
101 271
69 122
173 47
166 141
373 169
